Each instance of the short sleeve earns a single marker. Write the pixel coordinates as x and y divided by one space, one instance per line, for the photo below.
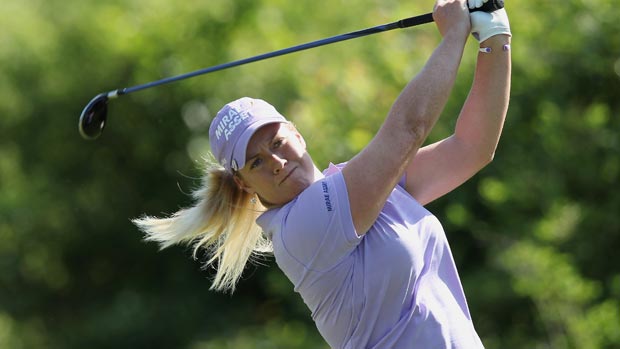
318 230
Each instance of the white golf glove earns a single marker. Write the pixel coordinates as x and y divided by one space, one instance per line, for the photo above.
485 24
475 3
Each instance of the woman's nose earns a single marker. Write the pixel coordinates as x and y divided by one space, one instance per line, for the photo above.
278 163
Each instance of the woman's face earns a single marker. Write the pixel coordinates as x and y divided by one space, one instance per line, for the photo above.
278 167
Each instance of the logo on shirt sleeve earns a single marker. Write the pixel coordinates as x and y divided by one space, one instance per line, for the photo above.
328 203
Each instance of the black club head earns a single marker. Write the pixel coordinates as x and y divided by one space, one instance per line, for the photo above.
93 117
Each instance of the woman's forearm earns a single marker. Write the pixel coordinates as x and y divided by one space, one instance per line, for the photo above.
423 99
482 118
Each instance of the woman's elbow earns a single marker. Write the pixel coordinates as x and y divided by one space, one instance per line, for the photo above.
485 158
479 155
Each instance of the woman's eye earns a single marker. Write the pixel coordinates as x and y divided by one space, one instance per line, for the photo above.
255 163
277 143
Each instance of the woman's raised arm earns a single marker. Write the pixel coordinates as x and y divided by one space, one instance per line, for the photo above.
372 174
441 167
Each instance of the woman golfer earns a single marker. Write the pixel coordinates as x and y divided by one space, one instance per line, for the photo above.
371 263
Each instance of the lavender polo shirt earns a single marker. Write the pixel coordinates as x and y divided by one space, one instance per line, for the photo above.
395 287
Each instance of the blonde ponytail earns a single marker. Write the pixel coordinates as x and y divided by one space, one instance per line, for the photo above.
222 221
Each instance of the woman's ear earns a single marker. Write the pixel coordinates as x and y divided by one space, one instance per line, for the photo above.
242 185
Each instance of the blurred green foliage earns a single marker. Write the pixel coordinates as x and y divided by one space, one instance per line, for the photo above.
535 234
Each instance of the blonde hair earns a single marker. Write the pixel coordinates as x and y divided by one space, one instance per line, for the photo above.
222 221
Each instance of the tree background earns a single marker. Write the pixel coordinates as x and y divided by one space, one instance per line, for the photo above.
535 234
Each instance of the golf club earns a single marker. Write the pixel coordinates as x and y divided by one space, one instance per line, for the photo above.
94 116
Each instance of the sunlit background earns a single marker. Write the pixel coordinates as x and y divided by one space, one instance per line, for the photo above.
535 235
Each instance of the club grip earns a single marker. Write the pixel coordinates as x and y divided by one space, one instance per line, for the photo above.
490 6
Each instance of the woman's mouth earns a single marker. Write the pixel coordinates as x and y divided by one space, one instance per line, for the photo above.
288 175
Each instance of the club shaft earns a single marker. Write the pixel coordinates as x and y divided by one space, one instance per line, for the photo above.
403 23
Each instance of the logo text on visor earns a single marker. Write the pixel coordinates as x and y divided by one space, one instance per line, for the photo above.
229 123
